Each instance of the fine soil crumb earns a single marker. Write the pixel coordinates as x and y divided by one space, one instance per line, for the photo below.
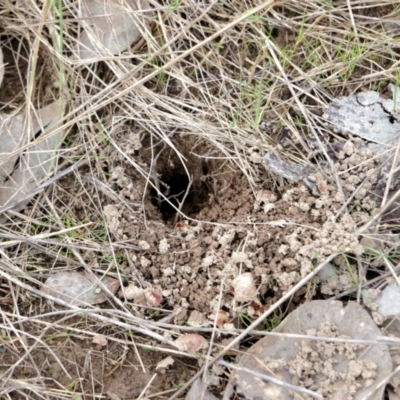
276 236
330 368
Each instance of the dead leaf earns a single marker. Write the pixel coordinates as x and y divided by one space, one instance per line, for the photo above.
26 158
281 356
12 136
76 288
164 364
100 340
111 26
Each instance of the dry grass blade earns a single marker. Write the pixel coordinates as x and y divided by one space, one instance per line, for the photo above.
1 66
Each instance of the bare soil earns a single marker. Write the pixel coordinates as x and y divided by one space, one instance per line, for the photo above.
233 230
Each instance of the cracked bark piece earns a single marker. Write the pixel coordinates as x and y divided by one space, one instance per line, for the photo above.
377 121
292 172
368 116
337 370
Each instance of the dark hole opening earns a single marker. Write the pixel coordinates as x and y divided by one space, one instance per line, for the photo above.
174 190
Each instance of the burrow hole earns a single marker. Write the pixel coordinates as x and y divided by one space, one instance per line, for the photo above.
173 182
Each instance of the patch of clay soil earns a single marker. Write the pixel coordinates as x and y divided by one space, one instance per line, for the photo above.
310 362
116 371
278 234
275 233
